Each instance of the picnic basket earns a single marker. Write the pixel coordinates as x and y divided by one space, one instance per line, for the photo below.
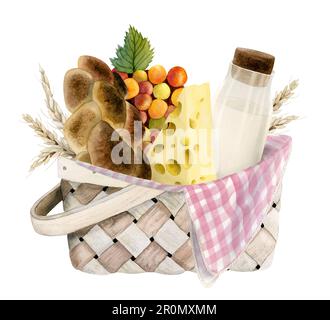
113 226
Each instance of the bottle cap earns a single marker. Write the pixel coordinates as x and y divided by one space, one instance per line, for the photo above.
254 60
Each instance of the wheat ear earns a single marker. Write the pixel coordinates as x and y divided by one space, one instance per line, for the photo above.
55 146
281 122
284 95
54 111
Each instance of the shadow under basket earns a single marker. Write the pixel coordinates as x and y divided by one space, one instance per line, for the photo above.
151 237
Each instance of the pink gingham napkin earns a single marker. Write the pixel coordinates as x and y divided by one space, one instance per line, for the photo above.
225 213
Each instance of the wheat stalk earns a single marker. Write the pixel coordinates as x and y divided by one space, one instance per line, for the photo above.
54 111
55 146
284 95
48 153
281 122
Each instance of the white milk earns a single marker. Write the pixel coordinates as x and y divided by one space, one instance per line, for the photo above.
242 120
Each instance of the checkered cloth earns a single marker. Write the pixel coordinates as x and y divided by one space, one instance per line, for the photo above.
226 213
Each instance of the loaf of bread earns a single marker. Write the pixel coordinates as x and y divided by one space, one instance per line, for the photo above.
96 98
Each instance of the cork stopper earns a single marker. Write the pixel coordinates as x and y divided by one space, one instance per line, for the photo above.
254 60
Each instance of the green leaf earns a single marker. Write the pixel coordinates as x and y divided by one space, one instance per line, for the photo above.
136 54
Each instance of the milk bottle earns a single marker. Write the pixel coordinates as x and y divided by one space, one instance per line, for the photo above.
243 112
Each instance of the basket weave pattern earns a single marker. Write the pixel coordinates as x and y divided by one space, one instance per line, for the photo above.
152 237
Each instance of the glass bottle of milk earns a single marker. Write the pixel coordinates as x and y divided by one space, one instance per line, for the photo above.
243 112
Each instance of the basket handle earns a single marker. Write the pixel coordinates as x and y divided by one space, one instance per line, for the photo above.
70 170
81 217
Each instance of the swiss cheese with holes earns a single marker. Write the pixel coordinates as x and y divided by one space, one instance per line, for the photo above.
182 151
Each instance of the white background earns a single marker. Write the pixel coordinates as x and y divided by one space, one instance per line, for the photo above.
201 36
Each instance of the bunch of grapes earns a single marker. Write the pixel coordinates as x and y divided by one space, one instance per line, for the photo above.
154 92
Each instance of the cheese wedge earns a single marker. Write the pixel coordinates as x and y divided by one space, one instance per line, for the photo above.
182 152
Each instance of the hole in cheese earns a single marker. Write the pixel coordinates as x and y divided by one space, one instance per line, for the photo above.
177 111
202 178
196 147
158 148
177 182
173 168
192 123
197 115
159 168
170 130
185 141
194 181
187 159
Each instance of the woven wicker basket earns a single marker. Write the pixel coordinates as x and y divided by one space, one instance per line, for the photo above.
117 224
153 236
